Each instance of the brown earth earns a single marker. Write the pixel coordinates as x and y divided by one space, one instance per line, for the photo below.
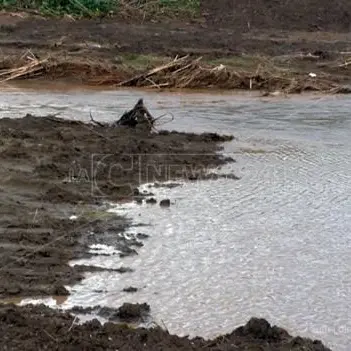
307 15
40 328
52 169
105 51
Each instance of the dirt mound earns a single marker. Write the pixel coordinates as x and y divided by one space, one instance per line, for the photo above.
310 15
39 327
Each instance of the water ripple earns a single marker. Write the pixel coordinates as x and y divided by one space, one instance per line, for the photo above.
274 244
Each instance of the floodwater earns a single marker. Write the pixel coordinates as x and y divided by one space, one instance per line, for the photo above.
274 244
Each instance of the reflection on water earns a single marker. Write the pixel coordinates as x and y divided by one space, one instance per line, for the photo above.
274 244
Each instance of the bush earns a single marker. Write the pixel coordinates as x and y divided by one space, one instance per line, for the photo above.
79 7
74 7
95 7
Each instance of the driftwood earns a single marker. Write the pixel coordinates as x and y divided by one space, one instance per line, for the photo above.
185 72
33 66
144 76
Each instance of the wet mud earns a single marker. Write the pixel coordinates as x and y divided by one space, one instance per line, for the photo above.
39 327
57 180
128 312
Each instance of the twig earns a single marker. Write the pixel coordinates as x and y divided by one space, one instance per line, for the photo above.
161 85
164 325
50 336
73 323
153 71
96 122
153 83
345 64
158 118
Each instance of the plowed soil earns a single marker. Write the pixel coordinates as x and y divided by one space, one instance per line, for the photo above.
302 15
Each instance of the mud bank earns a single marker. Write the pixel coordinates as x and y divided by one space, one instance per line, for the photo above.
56 182
39 327
110 51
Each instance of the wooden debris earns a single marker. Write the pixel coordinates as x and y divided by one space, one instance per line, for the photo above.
182 73
189 73
175 63
97 122
345 64
34 65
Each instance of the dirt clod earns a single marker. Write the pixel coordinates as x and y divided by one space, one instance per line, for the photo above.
142 236
129 311
151 201
165 203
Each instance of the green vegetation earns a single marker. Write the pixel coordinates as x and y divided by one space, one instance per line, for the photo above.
192 5
101 7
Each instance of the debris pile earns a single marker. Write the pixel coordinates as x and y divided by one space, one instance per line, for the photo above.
32 66
267 75
191 73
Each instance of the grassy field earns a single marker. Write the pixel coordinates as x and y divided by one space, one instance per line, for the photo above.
91 8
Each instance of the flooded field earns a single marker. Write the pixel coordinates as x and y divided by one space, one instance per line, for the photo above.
274 244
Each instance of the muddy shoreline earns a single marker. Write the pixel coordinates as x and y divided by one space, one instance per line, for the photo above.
41 328
53 169
46 178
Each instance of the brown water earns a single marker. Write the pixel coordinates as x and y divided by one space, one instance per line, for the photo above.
274 244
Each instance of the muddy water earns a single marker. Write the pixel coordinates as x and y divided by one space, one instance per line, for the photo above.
274 244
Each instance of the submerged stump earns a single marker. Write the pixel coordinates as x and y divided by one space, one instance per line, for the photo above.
139 115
